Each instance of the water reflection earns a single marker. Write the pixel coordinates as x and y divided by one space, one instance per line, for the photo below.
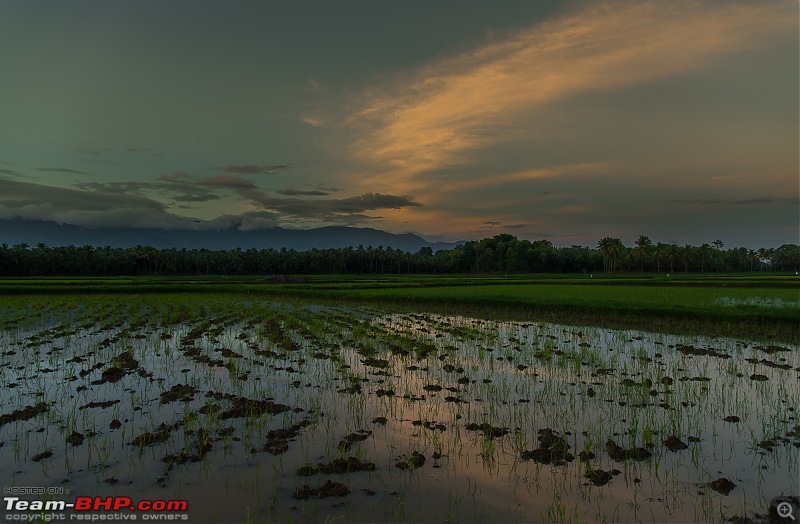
474 397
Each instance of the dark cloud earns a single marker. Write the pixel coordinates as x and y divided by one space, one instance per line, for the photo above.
303 192
62 170
182 185
101 162
114 187
699 201
84 208
175 177
249 221
744 202
196 197
369 201
185 187
768 200
11 172
334 209
227 182
309 190
491 224
93 150
95 204
250 169
108 205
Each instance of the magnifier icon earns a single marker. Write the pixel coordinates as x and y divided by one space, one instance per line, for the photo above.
785 510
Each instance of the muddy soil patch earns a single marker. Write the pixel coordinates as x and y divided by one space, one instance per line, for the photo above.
337 466
329 489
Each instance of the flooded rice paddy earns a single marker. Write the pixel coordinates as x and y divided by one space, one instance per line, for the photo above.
290 412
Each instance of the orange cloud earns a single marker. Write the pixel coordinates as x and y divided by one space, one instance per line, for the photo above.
592 168
454 107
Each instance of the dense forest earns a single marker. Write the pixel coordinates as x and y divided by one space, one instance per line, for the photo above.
499 254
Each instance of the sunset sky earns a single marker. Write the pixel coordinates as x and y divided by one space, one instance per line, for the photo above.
454 120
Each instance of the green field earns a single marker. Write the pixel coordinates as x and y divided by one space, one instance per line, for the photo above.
758 306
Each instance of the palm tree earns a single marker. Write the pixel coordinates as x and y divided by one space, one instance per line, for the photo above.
687 257
673 251
604 247
705 252
616 250
643 246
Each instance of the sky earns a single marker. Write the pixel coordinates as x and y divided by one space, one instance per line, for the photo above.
456 120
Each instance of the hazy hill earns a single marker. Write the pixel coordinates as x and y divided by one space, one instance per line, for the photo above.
32 232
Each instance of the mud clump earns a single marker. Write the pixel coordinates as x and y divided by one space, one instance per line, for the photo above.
347 442
691 350
771 350
121 365
278 439
43 455
621 454
25 413
102 405
553 449
178 392
276 447
338 466
329 489
674 444
76 439
247 407
125 360
599 477
112 374
488 430
722 485
428 424
162 434
376 362
352 389
414 461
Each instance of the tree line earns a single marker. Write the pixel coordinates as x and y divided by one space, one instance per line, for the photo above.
499 254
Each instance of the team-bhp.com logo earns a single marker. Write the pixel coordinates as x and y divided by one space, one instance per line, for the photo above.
88 508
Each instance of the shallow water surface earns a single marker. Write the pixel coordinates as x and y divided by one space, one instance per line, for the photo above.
244 411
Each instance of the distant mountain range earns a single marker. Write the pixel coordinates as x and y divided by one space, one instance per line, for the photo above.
32 232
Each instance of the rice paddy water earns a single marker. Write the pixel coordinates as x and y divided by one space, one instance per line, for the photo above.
262 412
